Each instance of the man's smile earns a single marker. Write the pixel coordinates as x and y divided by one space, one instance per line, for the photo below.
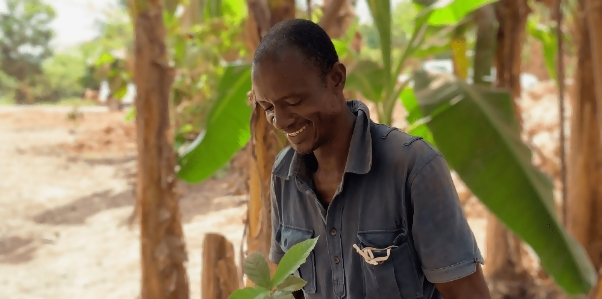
293 134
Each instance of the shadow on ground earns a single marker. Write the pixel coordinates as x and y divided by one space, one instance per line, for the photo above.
79 210
16 250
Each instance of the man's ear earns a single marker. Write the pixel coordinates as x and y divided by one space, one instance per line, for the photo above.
338 76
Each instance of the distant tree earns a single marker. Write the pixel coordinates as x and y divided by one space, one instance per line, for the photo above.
25 38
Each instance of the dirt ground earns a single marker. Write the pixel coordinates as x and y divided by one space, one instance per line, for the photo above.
66 196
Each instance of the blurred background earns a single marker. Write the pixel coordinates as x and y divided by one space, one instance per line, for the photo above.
479 79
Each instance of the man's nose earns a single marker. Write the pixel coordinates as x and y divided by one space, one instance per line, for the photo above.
282 119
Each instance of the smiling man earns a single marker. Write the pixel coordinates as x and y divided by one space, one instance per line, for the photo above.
382 201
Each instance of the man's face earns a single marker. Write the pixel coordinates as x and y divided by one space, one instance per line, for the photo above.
297 101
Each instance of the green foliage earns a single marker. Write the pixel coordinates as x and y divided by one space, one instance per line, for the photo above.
228 119
283 283
451 12
257 270
62 74
250 293
547 36
415 117
381 85
476 129
25 37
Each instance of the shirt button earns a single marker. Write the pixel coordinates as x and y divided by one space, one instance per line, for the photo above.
333 232
336 259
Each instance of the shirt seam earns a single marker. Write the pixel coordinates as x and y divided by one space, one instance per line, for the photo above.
422 167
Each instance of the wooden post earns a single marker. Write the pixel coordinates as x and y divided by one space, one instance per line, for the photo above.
163 251
220 276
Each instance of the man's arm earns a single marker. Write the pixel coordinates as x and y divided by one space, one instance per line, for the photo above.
443 239
472 286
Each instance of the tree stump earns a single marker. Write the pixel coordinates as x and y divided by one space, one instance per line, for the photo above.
220 275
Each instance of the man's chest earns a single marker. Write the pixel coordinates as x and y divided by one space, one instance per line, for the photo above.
366 215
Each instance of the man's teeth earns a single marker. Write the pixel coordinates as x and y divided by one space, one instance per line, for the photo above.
297 133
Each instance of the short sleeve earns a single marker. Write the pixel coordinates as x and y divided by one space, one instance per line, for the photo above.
444 242
276 252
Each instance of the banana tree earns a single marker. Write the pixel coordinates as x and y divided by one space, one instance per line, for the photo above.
378 81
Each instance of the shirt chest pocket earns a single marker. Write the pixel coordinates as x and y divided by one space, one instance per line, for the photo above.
291 236
388 265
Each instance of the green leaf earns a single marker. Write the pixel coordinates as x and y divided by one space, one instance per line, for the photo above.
121 92
417 121
293 259
235 9
105 58
476 130
249 293
450 12
291 284
430 50
381 14
341 47
131 114
228 116
547 37
283 295
368 78
257 269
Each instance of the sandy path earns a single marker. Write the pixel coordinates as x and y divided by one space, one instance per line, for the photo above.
63 227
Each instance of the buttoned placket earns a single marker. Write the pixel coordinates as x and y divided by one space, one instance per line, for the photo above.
333 221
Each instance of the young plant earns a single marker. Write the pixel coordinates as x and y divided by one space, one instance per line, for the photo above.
283 283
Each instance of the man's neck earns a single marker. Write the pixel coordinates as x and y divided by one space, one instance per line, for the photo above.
332 157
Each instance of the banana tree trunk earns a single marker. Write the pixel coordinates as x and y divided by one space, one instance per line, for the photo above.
163 251
504 260
585 154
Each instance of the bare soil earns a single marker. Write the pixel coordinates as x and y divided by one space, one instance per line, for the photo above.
66 196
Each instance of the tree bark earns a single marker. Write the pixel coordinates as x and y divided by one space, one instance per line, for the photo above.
163 251
504 260
594 20
585 153
338 15
485 44
219 268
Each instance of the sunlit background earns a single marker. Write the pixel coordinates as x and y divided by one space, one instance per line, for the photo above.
69 225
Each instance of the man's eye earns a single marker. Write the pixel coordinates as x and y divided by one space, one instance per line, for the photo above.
294 102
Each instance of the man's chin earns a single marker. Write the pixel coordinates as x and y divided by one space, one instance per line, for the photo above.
302 149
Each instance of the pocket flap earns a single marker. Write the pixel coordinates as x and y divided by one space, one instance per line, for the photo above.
291 236
382 238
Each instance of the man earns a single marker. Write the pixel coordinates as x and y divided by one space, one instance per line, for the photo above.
382 202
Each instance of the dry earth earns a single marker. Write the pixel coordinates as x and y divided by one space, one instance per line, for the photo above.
66 197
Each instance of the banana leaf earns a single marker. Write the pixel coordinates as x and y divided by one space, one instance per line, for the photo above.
476 130
227 127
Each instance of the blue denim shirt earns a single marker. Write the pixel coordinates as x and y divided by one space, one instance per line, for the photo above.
396 193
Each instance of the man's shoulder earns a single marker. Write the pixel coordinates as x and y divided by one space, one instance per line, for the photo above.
397 147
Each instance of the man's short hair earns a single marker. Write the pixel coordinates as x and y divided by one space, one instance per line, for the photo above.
309 38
